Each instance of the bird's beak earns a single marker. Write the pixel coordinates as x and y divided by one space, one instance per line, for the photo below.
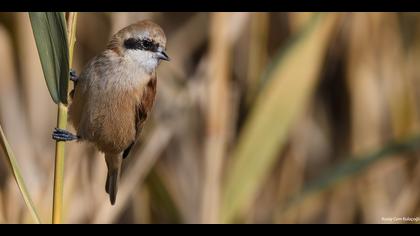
163 56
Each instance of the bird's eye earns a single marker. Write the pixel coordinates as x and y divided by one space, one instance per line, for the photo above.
140 44
147 45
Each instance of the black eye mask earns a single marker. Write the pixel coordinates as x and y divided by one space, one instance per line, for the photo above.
141 44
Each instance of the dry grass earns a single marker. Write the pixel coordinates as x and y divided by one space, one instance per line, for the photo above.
251 109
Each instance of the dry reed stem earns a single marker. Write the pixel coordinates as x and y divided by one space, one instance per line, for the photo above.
258 45
218 113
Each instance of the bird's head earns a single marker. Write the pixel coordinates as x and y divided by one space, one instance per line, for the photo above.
143 42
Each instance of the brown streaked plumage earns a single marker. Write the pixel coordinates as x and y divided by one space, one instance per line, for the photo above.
115 93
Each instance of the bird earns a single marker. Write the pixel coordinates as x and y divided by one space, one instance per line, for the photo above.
114 94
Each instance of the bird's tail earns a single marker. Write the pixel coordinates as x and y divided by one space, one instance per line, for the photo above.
113 161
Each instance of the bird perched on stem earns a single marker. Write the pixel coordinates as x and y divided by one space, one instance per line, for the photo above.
114 94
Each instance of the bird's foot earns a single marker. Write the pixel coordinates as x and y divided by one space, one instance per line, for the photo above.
73 76
63 135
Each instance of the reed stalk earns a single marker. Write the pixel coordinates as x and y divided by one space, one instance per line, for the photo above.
57 213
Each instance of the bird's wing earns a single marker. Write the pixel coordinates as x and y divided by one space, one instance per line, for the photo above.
143 108
146 103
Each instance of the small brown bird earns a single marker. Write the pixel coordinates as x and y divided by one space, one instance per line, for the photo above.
114 94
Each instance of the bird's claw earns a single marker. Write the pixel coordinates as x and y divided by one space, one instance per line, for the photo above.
63 135
73 75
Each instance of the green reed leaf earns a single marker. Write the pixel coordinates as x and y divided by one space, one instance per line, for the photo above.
50 34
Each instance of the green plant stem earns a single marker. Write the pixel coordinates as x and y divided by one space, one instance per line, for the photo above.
59 167
71 32
62 124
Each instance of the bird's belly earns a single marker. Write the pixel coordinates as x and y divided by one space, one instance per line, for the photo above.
110 123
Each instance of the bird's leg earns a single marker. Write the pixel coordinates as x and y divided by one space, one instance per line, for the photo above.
73 75
63 135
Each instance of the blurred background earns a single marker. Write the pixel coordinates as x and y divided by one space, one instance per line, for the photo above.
259 118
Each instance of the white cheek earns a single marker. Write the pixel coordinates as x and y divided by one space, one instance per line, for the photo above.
145 60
